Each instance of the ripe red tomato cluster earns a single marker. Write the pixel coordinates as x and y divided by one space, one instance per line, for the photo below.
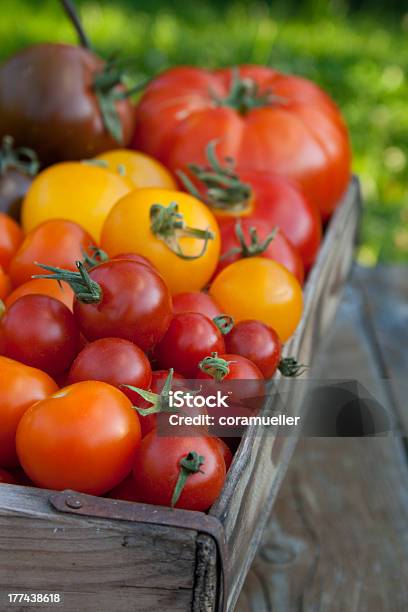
138 270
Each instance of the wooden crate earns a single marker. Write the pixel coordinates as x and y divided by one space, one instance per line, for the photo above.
107 555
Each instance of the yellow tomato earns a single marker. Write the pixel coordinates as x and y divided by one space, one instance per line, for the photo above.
139 170
174 230
74 191
260 288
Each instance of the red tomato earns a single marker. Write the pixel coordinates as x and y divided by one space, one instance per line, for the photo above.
84 437
159 377
41 332
119 299
257 342
265 120
136 257
56 242
20 387
226 452
114 361
159 461
7 478
190 337
11 236
196 301
248 238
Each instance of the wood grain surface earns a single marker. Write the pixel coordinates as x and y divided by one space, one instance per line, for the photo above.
337 540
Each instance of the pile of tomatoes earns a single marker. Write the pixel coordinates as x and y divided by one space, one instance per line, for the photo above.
124 276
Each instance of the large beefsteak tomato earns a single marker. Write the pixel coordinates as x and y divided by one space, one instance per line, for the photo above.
265 120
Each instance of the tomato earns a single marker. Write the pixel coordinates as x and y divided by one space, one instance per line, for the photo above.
5 284
114 361
162 462
125 490
174 230
248 238
17 168
136 257
268 200
84 437
226 452
119 299
20 387
257 342
63 107
190 337
56 242
11 237
138 169
6 477
40 332
74 191
264 120
42 286
148 422
262 289
196 301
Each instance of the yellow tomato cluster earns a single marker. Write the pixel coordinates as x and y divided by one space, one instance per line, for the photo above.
129 203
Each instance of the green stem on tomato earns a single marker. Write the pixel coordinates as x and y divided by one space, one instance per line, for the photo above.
215 366
167 224
224 323
254 247
189 465
20 158
86 290
224 189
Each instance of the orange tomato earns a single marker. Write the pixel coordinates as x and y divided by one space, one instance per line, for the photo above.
11 237
5 284
262 289
20 387
139 170
182 241
56 242
84 437
42 286
73 190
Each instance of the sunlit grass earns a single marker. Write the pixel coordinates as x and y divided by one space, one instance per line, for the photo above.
361 61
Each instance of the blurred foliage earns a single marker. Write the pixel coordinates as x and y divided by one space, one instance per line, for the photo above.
355 49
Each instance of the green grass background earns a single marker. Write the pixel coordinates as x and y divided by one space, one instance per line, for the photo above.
358 54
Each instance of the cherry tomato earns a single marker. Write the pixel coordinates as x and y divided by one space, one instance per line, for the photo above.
64 106
56 242
11 237
159 461
138 169
257 342
262 289
83 437
136 257
125 490
196 301
120 299
40 332
6 477
43 286
249 238
226 452
190 337
114 361
5 284
174 230
20 387
74 191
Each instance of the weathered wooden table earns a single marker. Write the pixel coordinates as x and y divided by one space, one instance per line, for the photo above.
337 540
